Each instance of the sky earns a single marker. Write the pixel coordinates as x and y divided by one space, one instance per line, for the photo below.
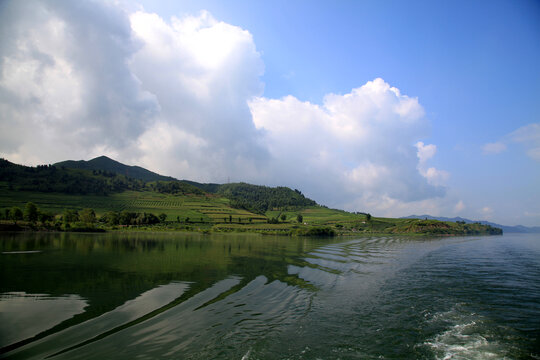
387 107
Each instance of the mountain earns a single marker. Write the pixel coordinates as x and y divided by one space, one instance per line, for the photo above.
507 229
104 163
100 176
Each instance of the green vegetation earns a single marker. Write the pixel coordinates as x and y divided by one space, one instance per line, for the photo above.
60 179
260 199
61 198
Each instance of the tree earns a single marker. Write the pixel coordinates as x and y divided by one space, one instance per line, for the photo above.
30 212
111 218
283 217
15 213
299 218
70 216
44 216
125 217
368 217
150 218
88 216
162 217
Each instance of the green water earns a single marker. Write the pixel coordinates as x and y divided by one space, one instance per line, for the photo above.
179 296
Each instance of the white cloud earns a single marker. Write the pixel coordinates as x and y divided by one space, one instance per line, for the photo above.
493 148
354 149
434 176
203 72
529 136
64 85
425 152
460 206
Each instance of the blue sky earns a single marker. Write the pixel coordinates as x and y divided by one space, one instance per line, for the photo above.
467 69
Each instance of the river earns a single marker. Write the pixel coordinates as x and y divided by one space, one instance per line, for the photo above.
190 296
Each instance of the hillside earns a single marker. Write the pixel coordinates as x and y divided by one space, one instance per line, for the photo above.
61 193
255 198
104 163
50 178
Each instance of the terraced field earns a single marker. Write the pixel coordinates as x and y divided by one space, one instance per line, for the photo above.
210 209
319 215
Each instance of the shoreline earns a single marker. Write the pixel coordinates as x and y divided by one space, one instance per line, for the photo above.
304 231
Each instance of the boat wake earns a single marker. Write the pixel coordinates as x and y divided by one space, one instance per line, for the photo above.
464 336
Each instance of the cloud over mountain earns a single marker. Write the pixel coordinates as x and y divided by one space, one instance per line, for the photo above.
65 87
184 97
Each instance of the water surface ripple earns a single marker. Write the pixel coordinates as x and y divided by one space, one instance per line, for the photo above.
148 296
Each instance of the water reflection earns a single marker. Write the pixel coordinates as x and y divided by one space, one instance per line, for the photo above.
125 279
251 297
23 315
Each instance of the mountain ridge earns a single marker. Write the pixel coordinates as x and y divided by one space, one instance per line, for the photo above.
105 163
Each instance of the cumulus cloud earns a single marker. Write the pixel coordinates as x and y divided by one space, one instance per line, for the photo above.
203 72
434 176
357 148
183 97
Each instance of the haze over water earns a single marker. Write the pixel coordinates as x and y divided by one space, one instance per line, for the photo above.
178 296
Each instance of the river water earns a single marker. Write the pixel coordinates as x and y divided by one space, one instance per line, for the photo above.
182 296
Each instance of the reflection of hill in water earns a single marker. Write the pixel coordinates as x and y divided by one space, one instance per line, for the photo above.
173 296
108 270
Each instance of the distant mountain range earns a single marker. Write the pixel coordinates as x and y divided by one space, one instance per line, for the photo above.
506 229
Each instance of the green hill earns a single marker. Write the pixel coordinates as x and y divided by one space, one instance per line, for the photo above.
106 164
50 178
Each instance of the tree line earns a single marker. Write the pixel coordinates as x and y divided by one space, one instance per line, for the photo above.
85 218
